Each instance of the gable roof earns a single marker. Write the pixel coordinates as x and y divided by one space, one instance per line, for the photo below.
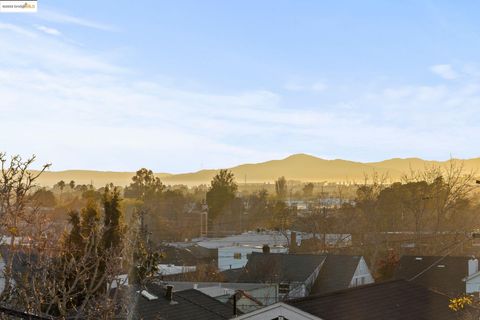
277 310
189 304
280 267
178 256
445 276
393 300
471 277
232 275
336 273
185 285
240 293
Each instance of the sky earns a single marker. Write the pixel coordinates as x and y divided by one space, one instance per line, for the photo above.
179 86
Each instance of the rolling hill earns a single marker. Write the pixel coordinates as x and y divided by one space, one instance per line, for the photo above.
300 167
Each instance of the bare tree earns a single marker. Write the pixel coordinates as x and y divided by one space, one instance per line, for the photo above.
17 180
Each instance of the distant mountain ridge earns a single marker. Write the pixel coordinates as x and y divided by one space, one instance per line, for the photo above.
300 167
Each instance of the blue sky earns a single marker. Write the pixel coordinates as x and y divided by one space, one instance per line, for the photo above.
183 85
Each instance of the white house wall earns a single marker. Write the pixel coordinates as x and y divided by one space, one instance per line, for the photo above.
234 257
362 275
276 311
297 290
473 284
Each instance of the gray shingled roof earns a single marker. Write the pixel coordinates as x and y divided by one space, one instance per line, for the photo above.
336 273
190 304
394 300
232 275
447 278
275 267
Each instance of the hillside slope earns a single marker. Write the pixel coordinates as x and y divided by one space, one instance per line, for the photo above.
300 167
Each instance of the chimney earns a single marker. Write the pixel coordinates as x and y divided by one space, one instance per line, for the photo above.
472 266
293 239
169 293
266 248
235 304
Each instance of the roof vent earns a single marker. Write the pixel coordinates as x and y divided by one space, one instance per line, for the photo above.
148 295
419 258
169 293
441 266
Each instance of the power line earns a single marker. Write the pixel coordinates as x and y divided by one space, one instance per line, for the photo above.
453 246
22 315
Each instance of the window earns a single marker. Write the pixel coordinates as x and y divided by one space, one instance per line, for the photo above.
284 288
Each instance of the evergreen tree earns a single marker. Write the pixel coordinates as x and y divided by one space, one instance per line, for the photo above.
281 188
74 240
112 228
220 194
90 218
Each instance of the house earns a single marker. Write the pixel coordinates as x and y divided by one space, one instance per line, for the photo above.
233 257
187 256
299 275
450 275
232 275
187 253
245 302
278 311
157 302
393 300
341 272
170 269
295 274
258 237
232 252
266 293
472 280
250 296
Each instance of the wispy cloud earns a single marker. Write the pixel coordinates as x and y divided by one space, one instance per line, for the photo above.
445 71
48 30
16 29
57 17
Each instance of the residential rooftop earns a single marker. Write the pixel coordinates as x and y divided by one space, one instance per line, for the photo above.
393 300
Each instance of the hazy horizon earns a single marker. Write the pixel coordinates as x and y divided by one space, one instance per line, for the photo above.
52 168
298 167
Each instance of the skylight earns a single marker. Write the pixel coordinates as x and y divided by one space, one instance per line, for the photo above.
148 295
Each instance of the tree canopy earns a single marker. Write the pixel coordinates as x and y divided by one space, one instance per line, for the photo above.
281 188
221 193
145 186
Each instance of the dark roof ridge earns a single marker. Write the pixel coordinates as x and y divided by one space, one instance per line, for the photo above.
314 296
195 303
289 254
343 255
430 256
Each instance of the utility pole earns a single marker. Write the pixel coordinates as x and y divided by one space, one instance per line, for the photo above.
324 228
204 222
